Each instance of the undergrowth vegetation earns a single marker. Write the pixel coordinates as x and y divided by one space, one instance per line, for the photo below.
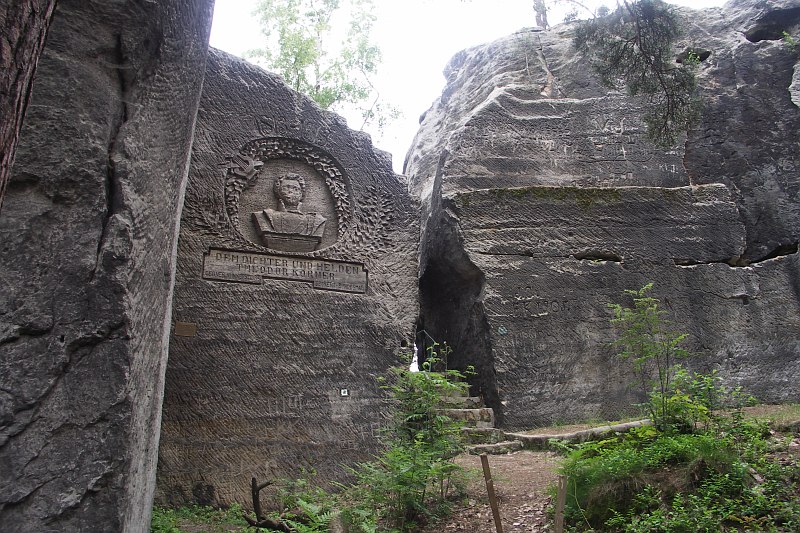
414 478
411 482
166 520
701 466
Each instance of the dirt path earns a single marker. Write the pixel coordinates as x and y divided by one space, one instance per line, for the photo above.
520 481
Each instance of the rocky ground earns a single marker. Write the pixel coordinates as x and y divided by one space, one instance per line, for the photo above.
521 482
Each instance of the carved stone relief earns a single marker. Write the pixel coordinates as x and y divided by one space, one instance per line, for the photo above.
286 195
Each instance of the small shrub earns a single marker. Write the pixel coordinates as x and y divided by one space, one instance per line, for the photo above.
305 507
413 480
648 340
790 42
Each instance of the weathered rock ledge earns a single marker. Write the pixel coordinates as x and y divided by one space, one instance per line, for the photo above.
543 200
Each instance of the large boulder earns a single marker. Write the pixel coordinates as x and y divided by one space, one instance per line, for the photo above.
284 314
88 235
543 200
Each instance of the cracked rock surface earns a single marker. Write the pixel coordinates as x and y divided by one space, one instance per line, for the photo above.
87 238
543 200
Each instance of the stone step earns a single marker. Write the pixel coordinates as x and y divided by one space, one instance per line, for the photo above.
497 448
482 435
542 442
480 418
462 402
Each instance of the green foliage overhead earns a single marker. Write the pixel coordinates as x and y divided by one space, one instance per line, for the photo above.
324 49
632 47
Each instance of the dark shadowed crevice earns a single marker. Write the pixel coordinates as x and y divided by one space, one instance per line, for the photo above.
701 54
737 261
595 255
771 26
740 261
779 251
451 306
113 193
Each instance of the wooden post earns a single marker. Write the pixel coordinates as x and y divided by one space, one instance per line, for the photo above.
561 500
487 475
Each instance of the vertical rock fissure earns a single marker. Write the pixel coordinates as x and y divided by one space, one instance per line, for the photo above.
113 194
549 89
451 306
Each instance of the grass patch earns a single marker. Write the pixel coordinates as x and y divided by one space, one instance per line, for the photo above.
196 518
778 416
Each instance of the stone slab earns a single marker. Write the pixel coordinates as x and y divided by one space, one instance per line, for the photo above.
281 373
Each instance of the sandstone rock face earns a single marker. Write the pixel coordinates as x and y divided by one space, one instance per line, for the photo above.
542 201
25 25
87 239
284 314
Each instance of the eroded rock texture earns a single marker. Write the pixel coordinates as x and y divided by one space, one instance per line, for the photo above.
25 25
283 321
87 245
543 201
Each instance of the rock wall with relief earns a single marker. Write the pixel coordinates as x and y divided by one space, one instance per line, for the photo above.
542 201
295 290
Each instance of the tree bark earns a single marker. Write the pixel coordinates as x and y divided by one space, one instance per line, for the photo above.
25 24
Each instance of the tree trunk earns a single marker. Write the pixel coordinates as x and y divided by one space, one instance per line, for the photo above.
25 24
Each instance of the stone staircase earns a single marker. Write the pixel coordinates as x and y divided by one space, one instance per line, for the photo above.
479 430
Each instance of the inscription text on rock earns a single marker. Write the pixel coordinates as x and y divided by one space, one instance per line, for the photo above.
250 267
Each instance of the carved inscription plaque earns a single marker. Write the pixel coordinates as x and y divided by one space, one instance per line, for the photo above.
249 267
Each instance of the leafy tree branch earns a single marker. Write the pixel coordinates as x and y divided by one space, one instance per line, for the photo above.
632 48
324 49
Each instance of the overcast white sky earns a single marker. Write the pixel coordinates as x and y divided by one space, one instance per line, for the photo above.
417 38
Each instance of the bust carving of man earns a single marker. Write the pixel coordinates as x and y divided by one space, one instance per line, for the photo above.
288 228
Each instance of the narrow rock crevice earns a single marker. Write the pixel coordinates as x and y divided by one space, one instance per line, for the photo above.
741 261
521 253
737 261
113 192
28 331
85 344
550 89
593 255
451 299
452 311
780 251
